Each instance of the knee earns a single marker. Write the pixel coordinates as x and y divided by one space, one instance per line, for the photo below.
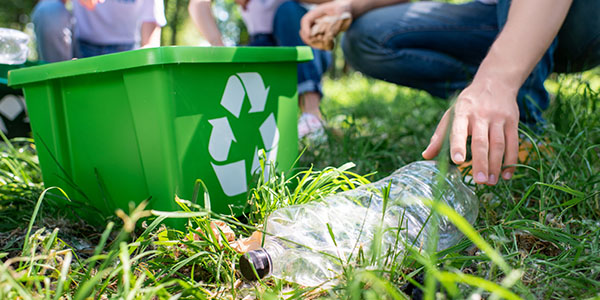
50 18
359 44
286 23
290 9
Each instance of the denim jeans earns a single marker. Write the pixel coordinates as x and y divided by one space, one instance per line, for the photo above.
54 31
87 49
286 28
437 47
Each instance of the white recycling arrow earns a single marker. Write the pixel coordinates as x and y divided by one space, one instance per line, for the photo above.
232 177
256 90
269 132
11 107
220 139
233 96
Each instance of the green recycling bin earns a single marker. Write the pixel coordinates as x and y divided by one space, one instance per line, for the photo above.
147 124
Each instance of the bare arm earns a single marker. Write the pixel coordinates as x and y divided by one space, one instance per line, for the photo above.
359 7
150 35
201 14
487 109
529 31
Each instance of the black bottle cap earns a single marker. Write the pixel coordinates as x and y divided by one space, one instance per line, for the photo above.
260 259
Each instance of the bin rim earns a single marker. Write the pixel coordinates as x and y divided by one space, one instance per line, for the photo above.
157 56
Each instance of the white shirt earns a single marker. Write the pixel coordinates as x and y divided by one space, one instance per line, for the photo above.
259 15
116 21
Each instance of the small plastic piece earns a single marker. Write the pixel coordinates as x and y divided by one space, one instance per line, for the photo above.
13 46
308 243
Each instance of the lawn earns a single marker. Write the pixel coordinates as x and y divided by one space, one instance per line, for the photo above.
537 235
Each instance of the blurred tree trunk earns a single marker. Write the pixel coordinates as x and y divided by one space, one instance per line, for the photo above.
333 71
175 23
176 13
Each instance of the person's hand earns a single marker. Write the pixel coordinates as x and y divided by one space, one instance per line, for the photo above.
90 4
242 3
320 26
488 112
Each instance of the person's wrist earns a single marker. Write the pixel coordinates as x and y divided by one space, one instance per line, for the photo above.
496 84
346 6
500 71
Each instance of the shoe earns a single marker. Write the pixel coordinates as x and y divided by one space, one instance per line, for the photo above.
310 127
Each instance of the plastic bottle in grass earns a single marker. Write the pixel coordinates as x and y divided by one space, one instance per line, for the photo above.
309 243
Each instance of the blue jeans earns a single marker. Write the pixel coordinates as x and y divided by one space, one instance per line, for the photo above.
87 49
286 28
54 28
437 47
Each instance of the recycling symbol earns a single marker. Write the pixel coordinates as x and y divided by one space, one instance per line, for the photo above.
232 176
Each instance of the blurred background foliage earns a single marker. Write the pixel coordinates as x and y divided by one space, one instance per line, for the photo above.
16 13
180 30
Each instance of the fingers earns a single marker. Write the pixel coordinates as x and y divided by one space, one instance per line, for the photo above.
306 24
497 146
479 150
492 139
511 134
435 144
320 26
458 139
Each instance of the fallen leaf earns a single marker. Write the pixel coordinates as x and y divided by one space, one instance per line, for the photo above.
244 245
219 229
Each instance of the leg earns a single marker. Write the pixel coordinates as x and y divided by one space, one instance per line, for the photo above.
286 30
578 46
432 46
262 40
86 49
53 30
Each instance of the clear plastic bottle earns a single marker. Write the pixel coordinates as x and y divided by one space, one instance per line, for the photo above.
13 46
299 247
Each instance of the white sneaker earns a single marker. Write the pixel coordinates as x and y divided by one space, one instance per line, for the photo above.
311 127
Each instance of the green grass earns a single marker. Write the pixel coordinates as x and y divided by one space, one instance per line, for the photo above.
537 236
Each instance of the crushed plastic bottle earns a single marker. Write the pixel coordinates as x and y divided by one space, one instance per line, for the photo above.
299 247
13 46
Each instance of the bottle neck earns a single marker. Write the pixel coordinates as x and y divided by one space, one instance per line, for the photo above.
273 247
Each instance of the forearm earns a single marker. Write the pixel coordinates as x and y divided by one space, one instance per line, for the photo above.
359 7
202 16
150 35
530 29
314 1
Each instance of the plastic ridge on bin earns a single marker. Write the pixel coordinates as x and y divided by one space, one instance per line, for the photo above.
158 56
